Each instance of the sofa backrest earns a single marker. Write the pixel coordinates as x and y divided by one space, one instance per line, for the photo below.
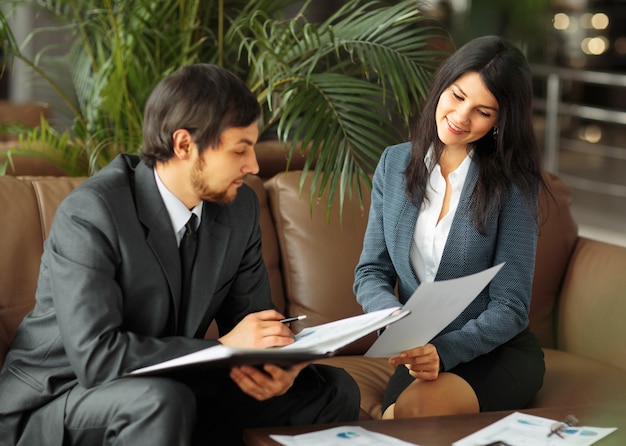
319 256
28 206
310 259
558 233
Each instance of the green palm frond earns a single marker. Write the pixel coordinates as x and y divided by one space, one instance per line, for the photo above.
394 47
340 90
333 89
8 45
115 75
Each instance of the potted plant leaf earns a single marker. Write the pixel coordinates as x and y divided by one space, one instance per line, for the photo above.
342 88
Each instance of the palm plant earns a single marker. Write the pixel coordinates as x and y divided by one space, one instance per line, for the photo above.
330 87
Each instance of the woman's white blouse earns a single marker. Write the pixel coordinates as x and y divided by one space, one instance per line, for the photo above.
430 236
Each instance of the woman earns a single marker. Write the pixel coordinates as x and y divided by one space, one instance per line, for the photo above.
460 198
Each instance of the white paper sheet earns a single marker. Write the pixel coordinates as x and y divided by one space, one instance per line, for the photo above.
318 341
433 306
331 336
519 429
340 436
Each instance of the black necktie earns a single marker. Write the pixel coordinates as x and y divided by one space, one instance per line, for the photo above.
187 251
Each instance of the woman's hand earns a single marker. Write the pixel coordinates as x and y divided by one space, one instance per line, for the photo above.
267 383
422 362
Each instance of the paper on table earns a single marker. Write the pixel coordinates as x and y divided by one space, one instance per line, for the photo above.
433 306
519 429
339 436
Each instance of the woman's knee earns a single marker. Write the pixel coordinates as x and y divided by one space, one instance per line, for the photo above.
448 395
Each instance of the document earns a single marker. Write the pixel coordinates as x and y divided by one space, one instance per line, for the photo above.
519 429
339 436
310 343
432 307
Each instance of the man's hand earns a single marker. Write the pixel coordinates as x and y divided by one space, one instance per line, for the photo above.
262 330
259 330
267 383
422 362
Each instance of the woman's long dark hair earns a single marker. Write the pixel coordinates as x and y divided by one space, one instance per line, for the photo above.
509 158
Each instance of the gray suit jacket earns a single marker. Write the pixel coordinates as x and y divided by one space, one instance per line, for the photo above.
108 294
500 311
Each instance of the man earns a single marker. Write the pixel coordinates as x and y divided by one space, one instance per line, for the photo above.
111 296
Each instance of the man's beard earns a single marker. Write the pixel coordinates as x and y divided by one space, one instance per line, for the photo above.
204 191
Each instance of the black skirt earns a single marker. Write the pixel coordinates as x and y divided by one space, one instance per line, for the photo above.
506 378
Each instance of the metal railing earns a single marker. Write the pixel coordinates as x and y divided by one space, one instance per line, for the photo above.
554 107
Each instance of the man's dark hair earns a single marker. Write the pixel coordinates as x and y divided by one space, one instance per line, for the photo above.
204 99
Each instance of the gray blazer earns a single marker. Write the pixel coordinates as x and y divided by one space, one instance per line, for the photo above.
108 294
501 311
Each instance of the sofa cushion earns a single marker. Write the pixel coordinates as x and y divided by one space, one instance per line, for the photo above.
573 380
318 255
570 380
593 304
557 236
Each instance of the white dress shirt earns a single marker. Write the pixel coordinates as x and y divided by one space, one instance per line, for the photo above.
430 236
178 212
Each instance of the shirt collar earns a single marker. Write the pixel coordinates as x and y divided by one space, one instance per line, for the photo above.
460 171
177 211
457 178
428 158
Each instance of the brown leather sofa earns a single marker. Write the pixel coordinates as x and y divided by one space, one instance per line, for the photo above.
579 295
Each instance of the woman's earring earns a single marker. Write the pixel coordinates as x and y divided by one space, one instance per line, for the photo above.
495 132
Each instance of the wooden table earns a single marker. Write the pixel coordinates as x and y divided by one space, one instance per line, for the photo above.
443 431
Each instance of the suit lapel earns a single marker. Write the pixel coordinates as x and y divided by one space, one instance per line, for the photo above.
451 262
213 240
159 234
406 228
449 265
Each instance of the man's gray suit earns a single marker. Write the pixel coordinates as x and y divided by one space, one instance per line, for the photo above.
108 295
